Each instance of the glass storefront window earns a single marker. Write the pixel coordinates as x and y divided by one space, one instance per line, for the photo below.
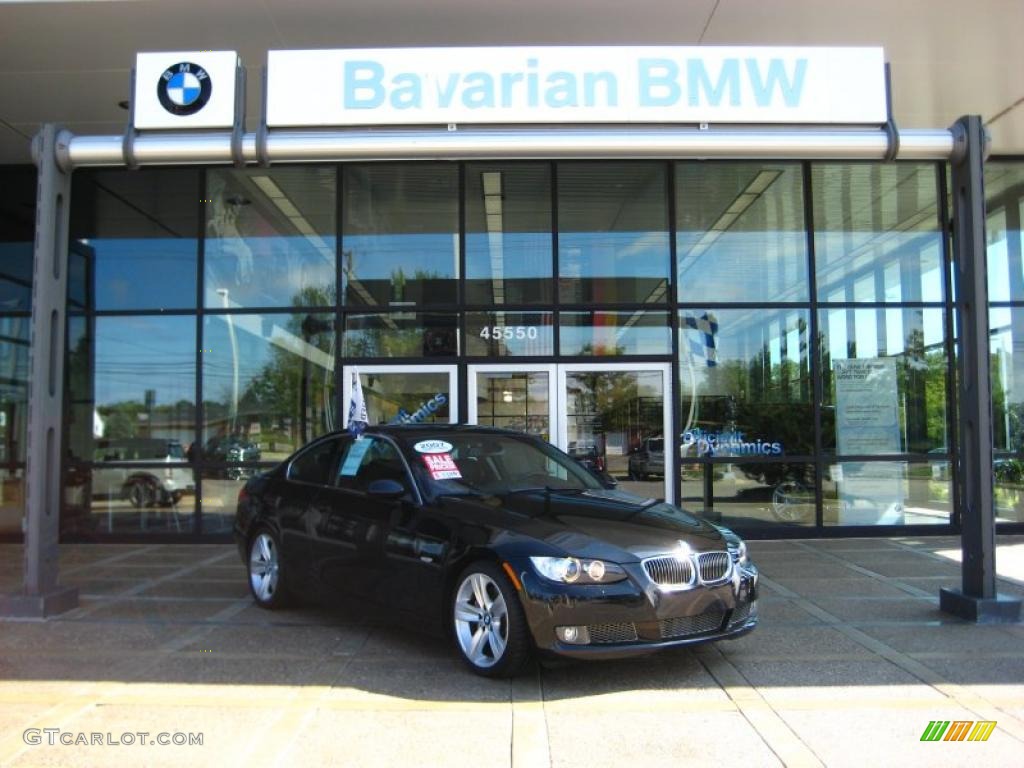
401 334
887 493
1006 334
129 497
741 235
613 240
1004 201
14 349
752 495
270 237
745 380
508 234
884 373
134 239
131 378
509 334
400 245
268 384
877 235
17 236
1008 475
615 333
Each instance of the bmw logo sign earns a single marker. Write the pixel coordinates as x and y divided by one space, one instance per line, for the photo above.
184 88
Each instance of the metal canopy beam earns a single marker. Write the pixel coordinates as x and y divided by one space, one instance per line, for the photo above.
977 600
163 148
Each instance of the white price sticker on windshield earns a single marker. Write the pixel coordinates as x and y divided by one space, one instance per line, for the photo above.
433 446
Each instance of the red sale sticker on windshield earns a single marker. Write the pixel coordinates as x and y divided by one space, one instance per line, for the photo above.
441 466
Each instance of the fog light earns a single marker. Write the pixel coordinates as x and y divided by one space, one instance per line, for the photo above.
573 635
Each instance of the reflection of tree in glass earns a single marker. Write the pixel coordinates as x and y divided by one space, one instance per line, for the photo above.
292 397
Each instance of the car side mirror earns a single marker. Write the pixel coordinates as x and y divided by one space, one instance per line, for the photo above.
386 489
607 481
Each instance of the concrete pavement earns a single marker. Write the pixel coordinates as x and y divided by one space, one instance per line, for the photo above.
851 662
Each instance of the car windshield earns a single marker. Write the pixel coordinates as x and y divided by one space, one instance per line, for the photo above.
494 464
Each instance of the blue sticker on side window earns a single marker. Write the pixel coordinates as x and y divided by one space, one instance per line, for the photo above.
356 452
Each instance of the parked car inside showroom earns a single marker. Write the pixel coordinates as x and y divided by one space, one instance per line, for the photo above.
497 539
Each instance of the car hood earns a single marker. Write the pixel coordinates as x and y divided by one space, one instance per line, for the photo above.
605 524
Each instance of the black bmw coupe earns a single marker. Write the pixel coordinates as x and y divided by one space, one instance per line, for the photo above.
496 538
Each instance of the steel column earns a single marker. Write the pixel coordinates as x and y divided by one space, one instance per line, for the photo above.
977 600
41 595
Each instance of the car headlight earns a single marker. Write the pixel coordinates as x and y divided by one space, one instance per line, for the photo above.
737 547
574 570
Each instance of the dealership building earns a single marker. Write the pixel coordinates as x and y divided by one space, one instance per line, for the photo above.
708 251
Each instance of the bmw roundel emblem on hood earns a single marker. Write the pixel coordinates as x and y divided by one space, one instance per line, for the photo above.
184 88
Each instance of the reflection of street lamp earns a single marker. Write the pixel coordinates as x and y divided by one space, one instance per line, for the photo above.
234 361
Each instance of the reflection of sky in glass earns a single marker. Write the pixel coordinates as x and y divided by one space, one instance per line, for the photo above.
15 275
898 325
998 258
519 254
607 333
854 257
135 354
260 340
375 257
744 266
269 271
143 273
613 254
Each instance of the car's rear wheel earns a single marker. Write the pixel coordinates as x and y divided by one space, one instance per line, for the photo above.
490 628
140 494
266 576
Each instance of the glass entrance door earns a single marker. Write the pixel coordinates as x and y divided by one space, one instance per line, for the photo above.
612 417
520 397
404 394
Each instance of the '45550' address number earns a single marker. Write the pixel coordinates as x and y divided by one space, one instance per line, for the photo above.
508 332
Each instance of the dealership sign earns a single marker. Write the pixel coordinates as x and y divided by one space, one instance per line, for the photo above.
185 89
575 85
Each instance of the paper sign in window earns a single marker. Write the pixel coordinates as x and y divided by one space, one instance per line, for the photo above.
441 466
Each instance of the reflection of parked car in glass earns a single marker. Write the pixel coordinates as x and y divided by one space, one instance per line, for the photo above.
792 488
142 486
232 448
588 455
648 459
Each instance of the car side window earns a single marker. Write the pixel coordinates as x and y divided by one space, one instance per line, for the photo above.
368 459
314 466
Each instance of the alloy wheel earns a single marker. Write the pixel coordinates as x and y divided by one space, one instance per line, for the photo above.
264 568
481 620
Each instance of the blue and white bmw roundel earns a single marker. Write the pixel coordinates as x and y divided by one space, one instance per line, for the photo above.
184 88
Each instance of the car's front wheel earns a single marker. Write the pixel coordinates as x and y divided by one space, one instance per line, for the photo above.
489 626
266 577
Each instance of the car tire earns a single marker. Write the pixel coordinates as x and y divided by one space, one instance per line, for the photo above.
492 639
139 493
267 577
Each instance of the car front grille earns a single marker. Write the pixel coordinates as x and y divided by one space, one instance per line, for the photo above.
713 567
612 633
669 571
709 621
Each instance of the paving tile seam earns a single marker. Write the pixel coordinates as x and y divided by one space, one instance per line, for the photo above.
149 583
529 742
933 556
776 734
960 695
890 580
108 561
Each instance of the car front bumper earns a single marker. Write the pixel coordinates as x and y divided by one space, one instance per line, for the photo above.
636 616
